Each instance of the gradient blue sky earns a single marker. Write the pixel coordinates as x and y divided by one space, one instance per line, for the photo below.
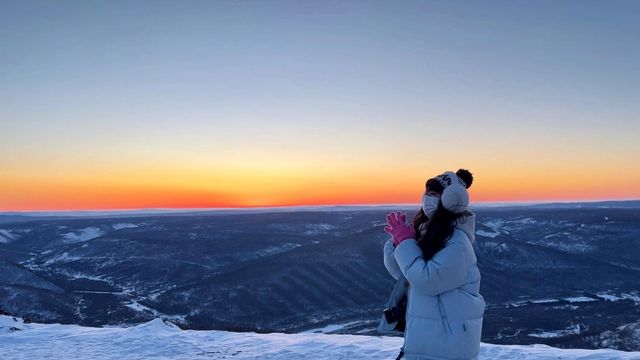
230 100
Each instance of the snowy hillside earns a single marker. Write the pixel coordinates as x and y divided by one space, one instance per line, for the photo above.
157 339
236 271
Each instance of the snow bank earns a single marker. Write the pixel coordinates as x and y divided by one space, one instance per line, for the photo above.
487 233
120 226
159 340
81 235
579 299
6 236
318 229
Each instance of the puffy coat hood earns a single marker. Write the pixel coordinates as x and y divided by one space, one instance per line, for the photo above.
467 223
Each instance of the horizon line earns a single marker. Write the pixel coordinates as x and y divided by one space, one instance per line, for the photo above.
249 208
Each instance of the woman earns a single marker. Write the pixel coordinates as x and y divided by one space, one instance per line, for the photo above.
435 255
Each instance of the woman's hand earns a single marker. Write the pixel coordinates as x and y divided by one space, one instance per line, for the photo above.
403 218
398 228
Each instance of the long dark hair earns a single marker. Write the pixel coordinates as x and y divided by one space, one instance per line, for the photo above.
439 230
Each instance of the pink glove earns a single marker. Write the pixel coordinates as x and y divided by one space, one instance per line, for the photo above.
398 228
403 218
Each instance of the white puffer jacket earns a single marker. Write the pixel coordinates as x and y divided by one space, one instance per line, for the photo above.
444 308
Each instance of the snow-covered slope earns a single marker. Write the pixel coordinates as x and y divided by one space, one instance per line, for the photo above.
159 340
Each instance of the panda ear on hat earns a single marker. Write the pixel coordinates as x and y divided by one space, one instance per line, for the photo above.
466 176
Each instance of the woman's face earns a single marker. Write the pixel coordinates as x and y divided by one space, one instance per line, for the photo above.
430 200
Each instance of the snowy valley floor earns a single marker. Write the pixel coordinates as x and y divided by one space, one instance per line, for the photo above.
159 340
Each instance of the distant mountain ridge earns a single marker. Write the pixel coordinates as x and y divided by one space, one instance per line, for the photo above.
17 215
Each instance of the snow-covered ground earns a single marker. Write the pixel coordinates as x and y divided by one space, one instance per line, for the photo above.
606 296
120 226
159 340
7 236
81 235
487 233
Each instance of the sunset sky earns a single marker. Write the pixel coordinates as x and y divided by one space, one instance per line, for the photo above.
167 104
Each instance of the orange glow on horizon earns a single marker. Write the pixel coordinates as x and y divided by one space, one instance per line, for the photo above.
294 183
54 196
